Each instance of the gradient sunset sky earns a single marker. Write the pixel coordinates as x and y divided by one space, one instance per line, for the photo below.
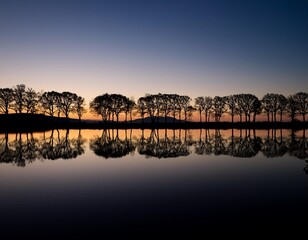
196 48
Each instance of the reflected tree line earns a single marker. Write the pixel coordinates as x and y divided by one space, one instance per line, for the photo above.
246 107
26 148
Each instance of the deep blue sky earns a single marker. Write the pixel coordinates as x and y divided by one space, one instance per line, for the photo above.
198 48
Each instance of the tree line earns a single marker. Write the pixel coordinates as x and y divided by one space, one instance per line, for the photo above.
21 99
154 106
246 106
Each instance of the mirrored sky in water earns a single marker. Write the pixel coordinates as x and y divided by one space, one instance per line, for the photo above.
135 47
253 179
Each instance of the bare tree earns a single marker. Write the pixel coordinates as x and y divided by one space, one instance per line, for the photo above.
231 103
19 96
68 100
152 106
100 106
129 105
165 104
31 98
6 99
141 108
256 108
208 104
291 107
250 104
282 105
240 100
301 99
219 107
270 104
48 101
117 102
199 106
174 105
184 103
80 106
188 112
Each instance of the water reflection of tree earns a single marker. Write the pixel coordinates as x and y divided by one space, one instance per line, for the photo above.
244 146
5 152
219 143
25 148
298 146
109 145
204 146
165 146
273 146
55 146
18 151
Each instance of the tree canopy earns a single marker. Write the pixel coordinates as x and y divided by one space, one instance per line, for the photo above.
246 107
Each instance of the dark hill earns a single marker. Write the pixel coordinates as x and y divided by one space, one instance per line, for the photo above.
37 122
157 120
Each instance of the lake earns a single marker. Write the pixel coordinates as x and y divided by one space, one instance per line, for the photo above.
77 183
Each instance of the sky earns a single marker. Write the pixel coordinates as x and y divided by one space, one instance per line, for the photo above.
196 48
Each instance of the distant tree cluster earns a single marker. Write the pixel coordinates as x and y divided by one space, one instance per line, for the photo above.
164 105
110 105
246 107
20 99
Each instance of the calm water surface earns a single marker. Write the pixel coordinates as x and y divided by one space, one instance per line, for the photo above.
77 183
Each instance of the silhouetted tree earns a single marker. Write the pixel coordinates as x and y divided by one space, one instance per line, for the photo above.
266 105
152 106
117 103
208 104
301 100
48 101
240 100
204 104
282 105
6 99
219 107
174 105
199 106
270 104
291 107
249 104
141 108
31 99
19 98
68 100
256 108
231 103
165 104
100 106
80 106
129 106
184 104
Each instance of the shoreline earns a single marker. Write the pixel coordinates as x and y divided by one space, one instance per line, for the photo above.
40 122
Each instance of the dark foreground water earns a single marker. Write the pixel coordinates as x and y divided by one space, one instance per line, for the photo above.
80 184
